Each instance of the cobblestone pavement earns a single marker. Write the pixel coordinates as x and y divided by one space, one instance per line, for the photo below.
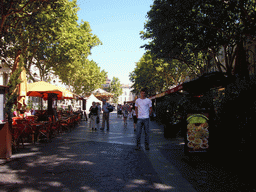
95 161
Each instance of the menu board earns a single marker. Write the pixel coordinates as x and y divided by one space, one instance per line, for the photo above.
197 138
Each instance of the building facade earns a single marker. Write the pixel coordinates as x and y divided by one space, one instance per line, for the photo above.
127 95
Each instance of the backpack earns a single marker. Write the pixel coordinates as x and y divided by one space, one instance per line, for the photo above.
110 108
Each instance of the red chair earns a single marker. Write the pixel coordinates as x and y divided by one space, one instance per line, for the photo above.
44 131
65 124
18 129
55 126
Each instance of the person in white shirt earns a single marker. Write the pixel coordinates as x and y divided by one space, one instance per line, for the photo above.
143 109
105 115
27 112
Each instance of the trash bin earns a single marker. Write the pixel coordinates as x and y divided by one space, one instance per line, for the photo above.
5 141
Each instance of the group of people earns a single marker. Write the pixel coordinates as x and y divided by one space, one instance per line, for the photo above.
95 111
126 111
28 112
140 111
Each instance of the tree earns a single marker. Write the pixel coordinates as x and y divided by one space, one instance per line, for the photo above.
176 26
157 75
115 88
46 34
87 78
13 17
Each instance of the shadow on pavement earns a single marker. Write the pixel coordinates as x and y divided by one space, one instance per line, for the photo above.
77 165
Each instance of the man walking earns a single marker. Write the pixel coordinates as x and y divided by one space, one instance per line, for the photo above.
143 109
105 115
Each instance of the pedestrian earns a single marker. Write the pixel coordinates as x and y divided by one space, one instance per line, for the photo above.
33 111
118 110
130 111
99 112
94 113
143 109
27 112
16 113
126 109
134 117
105 115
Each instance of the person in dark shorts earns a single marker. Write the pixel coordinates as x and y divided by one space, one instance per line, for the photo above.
134 116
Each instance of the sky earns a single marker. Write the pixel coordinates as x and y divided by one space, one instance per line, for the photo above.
117 23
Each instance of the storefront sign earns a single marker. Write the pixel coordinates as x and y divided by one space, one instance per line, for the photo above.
197 132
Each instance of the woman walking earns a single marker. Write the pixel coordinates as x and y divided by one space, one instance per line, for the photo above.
126 110
94 114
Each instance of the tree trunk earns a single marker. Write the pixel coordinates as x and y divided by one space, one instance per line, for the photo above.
241 64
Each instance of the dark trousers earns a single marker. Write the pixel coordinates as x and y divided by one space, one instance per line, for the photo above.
143 123
105 119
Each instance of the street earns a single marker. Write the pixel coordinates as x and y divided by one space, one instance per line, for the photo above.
95 161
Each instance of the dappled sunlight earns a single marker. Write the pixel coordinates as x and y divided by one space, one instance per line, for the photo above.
11 178
29 189
92 161
54 184
85 162
162 187
21 155
139 181
137 184
89 189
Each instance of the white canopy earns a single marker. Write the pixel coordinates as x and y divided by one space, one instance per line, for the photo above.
99 90
102 93
89 101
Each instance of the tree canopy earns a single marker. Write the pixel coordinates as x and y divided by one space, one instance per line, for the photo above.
115 88
48 36
177 27
157 75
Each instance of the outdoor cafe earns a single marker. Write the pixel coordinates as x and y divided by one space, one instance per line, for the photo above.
43 124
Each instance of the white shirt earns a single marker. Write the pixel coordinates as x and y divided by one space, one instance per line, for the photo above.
104 107
143 106
27 113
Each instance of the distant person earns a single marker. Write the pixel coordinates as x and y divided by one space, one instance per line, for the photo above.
99 112
27 112
94 113
105 118
134 117
130 111
15 113
143 109
126 109
33 111
119 110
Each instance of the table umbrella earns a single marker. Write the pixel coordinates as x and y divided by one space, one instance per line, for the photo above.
66 93
41 89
